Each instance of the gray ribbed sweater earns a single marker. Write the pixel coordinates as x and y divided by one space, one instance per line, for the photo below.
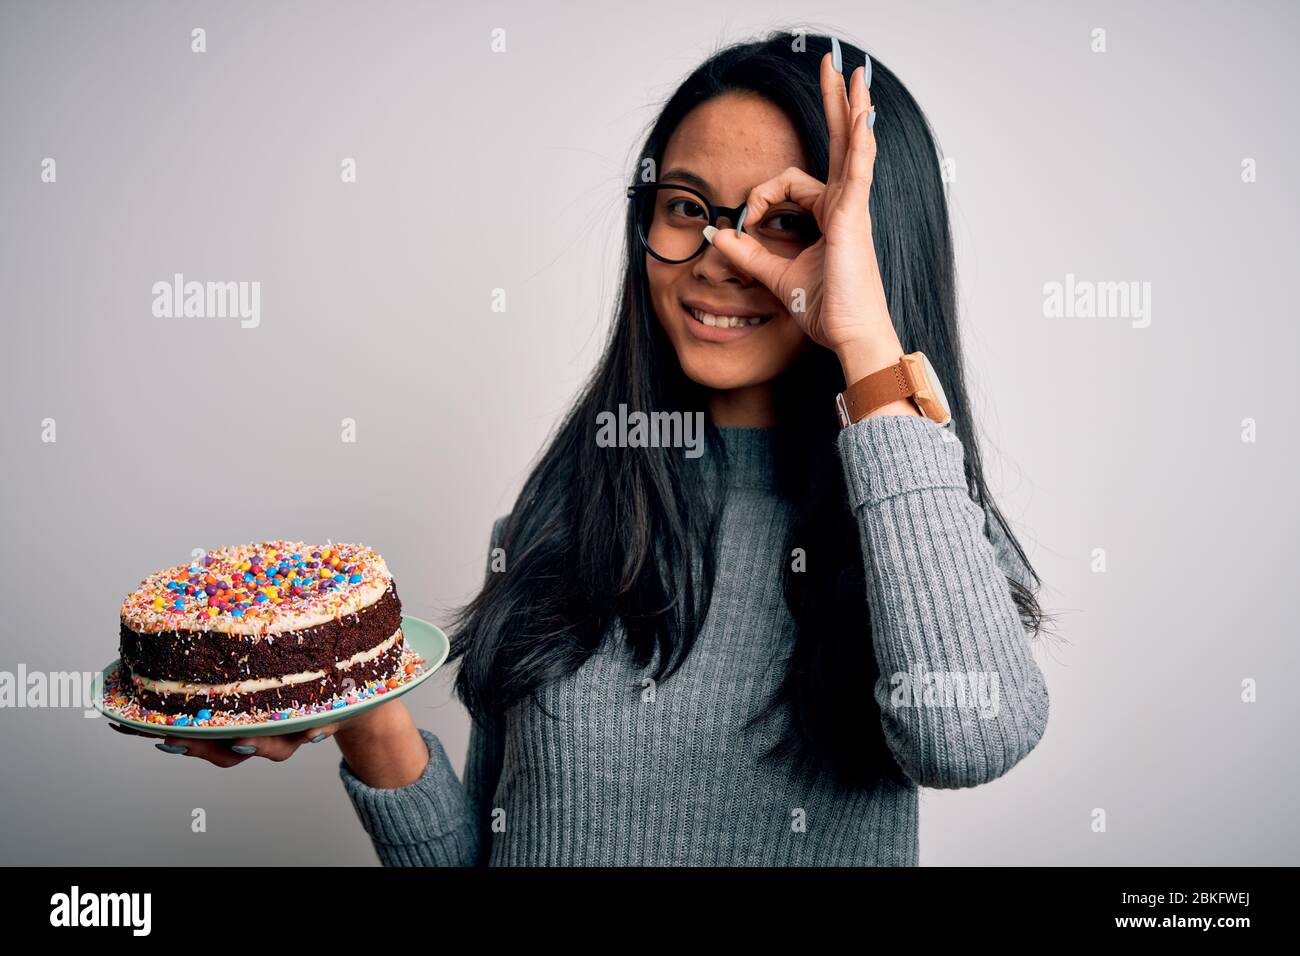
626 777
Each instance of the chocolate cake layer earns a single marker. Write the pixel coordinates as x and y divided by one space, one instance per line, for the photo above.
217 657
334 682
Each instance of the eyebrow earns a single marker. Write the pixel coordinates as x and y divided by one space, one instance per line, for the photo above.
686 175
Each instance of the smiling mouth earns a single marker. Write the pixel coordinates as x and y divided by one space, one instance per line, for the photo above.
726 321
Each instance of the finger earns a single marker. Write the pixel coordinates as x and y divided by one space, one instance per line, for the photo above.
792 184
216 752
860 107
862 162
859 97
316 735
836 104
278 748
747 253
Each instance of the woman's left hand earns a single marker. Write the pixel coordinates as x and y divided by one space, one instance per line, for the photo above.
833 289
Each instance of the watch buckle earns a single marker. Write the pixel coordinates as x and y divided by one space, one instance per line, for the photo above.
842 410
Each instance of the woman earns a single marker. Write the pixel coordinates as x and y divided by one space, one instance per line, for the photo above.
732 657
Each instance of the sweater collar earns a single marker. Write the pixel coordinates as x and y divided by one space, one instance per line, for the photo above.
750 457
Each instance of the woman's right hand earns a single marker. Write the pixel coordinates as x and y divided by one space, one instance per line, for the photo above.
382 745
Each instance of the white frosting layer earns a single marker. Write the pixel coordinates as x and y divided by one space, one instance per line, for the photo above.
254 685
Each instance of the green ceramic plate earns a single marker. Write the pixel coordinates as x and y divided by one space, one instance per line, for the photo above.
421 636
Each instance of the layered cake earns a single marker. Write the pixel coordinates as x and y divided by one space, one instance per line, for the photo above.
255 627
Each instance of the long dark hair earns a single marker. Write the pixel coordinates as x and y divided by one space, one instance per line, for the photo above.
603 541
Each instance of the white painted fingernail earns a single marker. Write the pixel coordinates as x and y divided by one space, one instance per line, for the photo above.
871 119
837 60
710 232
740 220
317 739
866 75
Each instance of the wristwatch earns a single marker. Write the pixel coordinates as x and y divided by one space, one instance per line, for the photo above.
911 377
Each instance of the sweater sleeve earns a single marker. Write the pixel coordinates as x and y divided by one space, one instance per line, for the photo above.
961 697
435 821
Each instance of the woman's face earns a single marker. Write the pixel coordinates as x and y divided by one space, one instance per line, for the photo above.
724 148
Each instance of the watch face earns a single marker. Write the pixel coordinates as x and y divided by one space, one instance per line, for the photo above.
938 401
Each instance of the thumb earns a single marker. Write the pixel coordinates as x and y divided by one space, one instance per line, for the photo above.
748 253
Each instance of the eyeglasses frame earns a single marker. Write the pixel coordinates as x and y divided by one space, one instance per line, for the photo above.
734 213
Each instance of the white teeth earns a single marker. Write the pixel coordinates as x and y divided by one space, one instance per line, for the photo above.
727 321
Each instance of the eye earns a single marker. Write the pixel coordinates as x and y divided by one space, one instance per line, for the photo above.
795 225
684 207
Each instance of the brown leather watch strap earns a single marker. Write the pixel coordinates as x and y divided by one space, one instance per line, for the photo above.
879 388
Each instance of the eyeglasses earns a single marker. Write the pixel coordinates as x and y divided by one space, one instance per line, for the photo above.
670 220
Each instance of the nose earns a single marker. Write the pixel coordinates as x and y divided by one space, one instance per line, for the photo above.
713 267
